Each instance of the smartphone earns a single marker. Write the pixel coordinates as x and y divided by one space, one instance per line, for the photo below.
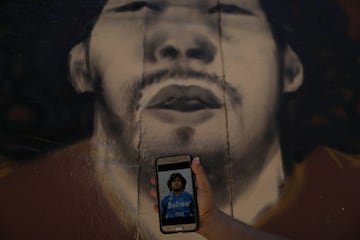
178 209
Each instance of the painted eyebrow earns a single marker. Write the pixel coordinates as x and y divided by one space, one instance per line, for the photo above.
137 5
230 9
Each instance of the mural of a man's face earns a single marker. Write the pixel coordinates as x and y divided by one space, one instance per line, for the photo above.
201 77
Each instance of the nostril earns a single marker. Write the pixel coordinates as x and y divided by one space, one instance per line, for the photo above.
199 53
169 52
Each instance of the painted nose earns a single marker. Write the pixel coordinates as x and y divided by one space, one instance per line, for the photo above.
182 48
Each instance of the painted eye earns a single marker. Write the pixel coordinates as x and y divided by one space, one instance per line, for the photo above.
229 9
136 6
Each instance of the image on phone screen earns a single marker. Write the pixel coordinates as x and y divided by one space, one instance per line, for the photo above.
177 202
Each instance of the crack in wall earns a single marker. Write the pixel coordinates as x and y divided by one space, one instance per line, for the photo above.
139 180
139 145
228 158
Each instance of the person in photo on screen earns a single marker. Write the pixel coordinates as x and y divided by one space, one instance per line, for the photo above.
178 203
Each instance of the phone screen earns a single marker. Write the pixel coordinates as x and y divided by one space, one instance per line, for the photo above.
176 195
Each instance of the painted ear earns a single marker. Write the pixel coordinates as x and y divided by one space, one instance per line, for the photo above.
293 70
79 72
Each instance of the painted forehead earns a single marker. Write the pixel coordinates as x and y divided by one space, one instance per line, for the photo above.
252 4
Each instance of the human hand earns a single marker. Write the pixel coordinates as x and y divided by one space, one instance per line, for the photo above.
215 224
206 204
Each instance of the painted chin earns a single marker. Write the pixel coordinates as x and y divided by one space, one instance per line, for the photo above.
182 117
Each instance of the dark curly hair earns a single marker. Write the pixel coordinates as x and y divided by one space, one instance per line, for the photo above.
325 110
172 177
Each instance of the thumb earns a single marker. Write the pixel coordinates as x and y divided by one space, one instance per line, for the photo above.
202 182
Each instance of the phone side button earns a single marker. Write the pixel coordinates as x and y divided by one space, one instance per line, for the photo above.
179 228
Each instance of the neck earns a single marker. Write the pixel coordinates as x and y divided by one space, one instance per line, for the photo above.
263 192
133 205
130 202
177 192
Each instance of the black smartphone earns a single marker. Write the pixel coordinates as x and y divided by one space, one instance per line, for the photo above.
178 209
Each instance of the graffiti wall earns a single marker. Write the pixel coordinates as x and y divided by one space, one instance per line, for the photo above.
263 94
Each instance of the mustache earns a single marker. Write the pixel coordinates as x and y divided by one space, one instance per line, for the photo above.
186 75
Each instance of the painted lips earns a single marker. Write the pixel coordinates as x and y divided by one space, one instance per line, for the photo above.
184 99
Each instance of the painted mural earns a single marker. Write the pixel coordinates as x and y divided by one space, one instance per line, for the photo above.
264 94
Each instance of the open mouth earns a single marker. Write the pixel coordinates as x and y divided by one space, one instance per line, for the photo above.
184 99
